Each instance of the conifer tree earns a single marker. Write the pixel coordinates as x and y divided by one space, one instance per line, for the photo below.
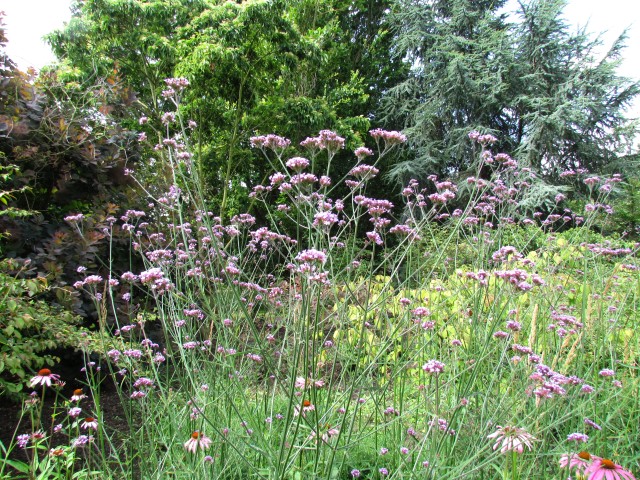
532 83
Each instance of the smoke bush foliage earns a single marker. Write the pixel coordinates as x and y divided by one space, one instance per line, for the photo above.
308 352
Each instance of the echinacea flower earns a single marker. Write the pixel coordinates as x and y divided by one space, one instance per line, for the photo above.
512 439
197 440
78 395
307 406
56 452
576 461
44 378
89 423
605 469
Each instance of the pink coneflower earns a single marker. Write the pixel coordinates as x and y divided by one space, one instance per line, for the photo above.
78 395
197 440
56 452
44 378
89 423
605 469
576 461
331 432
307 406
511 439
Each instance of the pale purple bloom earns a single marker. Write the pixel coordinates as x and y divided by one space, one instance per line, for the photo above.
577 437
362 152
591 423
587 388
23 440
434 367
390 137
74 218
297 163
81 441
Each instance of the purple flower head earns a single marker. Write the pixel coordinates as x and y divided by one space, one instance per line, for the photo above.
362 152
297 163
330 140
390 137
273 142
577 437
434 367
311 256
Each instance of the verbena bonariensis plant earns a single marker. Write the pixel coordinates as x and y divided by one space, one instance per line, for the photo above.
428 348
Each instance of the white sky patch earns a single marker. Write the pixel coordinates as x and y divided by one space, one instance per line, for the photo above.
27 21
608 19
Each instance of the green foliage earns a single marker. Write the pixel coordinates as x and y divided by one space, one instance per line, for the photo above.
29 327
289 67
626 207
537 87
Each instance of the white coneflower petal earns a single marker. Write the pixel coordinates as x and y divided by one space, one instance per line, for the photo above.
197 440
89 423
44 378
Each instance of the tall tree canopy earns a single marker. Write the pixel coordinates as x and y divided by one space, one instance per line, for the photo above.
287 66
535 85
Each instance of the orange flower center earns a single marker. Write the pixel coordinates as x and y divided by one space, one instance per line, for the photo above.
45 372
89 419
584 455
306 403
77 391
608 464
195 435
